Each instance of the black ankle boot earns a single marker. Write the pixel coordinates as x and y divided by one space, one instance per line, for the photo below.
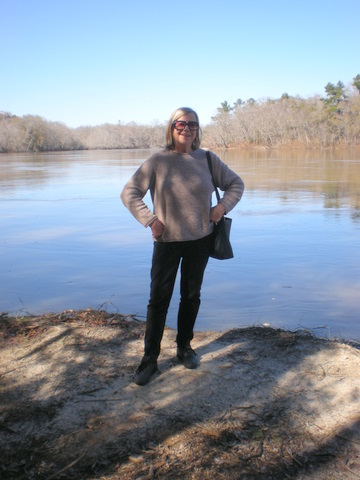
188 357
146 369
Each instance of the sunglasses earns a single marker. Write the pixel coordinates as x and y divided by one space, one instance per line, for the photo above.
181 125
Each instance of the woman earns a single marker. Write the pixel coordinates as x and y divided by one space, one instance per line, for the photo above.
181 222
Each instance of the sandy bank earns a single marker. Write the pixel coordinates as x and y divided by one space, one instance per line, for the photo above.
264 404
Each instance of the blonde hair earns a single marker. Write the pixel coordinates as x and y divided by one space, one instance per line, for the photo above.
169 140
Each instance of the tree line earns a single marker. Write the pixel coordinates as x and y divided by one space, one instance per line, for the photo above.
332 120
32 133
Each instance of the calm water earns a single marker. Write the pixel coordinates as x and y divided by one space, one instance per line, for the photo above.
67 242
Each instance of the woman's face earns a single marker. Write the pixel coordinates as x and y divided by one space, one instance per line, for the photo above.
182 135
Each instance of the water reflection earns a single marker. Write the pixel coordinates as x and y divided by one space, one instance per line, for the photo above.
332 174
67 241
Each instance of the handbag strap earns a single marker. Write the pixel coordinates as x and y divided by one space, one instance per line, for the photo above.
212 176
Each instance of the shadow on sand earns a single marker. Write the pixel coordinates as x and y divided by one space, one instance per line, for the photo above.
264 404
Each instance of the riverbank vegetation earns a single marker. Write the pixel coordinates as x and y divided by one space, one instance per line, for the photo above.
314 122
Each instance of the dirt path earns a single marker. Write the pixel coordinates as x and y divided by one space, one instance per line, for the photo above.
264 404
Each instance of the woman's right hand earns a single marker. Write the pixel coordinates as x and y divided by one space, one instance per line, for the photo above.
157 228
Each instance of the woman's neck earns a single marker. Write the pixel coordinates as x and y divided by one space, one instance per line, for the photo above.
182 149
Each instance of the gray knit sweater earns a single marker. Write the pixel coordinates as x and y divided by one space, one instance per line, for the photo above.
181 190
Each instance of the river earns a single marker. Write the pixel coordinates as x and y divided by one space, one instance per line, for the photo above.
67 242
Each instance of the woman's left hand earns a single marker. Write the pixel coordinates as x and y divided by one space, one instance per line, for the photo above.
216 213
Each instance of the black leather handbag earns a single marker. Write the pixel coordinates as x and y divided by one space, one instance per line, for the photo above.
221 248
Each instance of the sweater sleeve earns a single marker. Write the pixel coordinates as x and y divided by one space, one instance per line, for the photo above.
136 189
228 181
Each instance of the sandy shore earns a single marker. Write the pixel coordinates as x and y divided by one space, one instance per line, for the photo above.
264 404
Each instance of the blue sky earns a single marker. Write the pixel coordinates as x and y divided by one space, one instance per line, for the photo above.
86 62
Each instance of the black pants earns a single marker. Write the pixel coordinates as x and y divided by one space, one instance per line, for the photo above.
194 256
